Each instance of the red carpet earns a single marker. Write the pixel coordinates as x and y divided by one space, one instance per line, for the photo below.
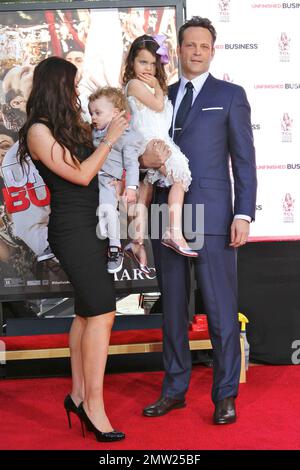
32 414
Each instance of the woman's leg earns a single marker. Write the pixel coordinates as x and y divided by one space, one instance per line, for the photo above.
76 332
94 343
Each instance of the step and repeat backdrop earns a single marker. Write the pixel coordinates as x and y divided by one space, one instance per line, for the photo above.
258 45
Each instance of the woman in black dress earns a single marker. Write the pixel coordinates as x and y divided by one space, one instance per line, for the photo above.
61 149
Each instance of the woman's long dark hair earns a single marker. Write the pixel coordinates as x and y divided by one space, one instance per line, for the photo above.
148 43
53 97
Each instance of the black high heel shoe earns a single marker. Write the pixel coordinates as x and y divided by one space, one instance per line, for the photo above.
70 407
100 436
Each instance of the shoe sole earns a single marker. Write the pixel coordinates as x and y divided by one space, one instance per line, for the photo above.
227 421
43 258
174 407
178 252
113 271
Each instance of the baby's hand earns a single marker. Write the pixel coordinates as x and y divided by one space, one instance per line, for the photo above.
148 79
130 195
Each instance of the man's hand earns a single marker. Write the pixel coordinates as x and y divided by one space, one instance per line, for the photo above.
239 232
155 155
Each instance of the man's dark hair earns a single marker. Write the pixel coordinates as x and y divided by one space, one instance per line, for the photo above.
198 22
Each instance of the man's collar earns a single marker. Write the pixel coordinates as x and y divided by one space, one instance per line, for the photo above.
197 82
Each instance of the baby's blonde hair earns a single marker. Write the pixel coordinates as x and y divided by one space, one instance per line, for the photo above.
115 95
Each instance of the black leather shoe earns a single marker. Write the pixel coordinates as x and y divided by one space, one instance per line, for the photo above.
99 435
225 411
162 406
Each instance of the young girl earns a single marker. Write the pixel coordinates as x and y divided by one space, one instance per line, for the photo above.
146 90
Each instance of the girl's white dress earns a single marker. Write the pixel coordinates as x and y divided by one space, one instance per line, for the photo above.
155 125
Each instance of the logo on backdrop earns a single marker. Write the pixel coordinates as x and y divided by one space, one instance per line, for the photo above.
292 86
227 78
291 5
224 11
275 5
235 46
293 166
284 48
288 206
279 86
286 128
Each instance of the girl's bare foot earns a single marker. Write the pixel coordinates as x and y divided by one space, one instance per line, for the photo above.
177 243
175 234
136 251
140 252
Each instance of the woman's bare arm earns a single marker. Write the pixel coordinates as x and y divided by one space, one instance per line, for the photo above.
44 147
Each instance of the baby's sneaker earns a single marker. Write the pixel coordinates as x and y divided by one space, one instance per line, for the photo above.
47 254
115 259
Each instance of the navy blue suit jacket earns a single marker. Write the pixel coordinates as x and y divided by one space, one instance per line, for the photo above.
209 139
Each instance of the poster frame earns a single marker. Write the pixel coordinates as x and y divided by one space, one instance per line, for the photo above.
180 15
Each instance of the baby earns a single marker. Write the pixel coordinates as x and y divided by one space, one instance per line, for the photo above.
104 104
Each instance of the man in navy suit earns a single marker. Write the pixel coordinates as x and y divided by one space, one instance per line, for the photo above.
216 130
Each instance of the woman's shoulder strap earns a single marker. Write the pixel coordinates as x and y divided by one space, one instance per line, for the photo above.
43 121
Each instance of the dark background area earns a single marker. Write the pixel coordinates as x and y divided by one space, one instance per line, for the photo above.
269 295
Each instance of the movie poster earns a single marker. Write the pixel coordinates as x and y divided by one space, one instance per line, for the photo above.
96 41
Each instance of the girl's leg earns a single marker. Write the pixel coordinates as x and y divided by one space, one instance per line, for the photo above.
175 203
95 342
76 332
140 220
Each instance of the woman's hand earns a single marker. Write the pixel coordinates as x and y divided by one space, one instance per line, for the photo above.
149 79
116 127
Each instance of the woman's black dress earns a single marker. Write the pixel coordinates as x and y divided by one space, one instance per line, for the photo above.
72 238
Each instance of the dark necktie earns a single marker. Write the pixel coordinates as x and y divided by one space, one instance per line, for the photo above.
183 109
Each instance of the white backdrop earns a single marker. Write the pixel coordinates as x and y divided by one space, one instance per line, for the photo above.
258 47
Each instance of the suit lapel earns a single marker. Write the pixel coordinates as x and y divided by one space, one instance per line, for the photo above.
195 110
173 90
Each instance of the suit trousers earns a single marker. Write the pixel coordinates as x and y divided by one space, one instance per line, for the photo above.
216 276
